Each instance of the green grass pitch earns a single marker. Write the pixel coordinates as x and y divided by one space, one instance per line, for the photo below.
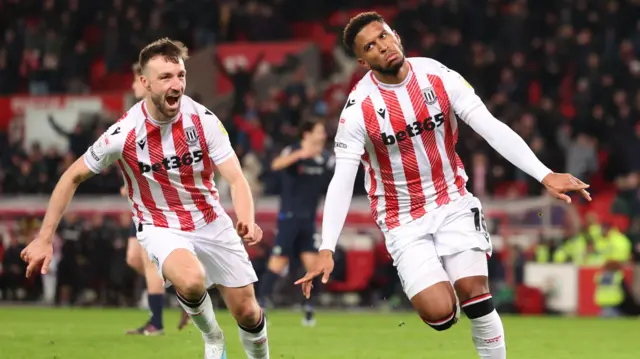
46 333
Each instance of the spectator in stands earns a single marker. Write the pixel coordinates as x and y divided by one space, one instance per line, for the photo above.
582 159
96 247
242 78
614 245
121 276
68 276
78 139
12 275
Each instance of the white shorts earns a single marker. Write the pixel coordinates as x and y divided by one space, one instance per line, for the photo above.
446 244
217 245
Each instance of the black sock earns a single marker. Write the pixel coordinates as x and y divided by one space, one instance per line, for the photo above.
156 301
256 328
267 283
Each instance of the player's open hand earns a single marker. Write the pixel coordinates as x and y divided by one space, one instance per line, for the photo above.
250 233
558 184
38 255
323 266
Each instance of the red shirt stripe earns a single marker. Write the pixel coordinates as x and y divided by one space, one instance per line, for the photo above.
392 218
407 154
186 172
208 165
130 192
429 141
450 138
130 156
156 154
373 186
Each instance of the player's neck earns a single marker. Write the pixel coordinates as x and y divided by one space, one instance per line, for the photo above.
154 113
393 79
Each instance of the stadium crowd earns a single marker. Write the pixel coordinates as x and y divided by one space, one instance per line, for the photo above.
564 74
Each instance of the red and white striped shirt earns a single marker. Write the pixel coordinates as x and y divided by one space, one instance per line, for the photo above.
405 136
167 167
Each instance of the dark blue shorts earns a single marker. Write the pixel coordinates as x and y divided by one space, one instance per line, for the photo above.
295 236
132 231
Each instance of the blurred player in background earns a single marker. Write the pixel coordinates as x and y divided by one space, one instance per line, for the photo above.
167 146
400 121
304 167
139 261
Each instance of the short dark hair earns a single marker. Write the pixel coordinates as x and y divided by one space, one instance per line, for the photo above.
355 25
307 126
172 50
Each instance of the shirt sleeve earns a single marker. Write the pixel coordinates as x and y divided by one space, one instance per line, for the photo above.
471 110
331 162
217 137
291 169
107 149
337 202
350 136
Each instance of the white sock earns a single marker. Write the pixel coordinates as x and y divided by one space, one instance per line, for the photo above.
203 317
255 341
488 336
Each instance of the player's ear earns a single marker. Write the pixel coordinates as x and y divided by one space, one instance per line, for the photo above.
145 82
397 36
364 64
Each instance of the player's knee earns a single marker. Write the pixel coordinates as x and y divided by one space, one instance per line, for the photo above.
471 287
440 321
192 285
247 313
133 260
436 306
130 260
277 263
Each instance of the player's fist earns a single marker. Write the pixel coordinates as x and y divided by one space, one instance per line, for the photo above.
558 184
323 266
250 233
38 255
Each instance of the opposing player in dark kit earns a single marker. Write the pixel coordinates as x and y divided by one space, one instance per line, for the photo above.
304 167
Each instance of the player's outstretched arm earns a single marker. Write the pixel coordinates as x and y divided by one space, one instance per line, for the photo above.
512 147
504 140
106 150
242 199
336 208
337 203
62 195
38 253
287 158
349 149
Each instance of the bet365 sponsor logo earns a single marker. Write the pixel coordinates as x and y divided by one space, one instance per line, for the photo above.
172 162
413 129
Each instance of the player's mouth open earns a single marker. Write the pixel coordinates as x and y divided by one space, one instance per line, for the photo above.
173 100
